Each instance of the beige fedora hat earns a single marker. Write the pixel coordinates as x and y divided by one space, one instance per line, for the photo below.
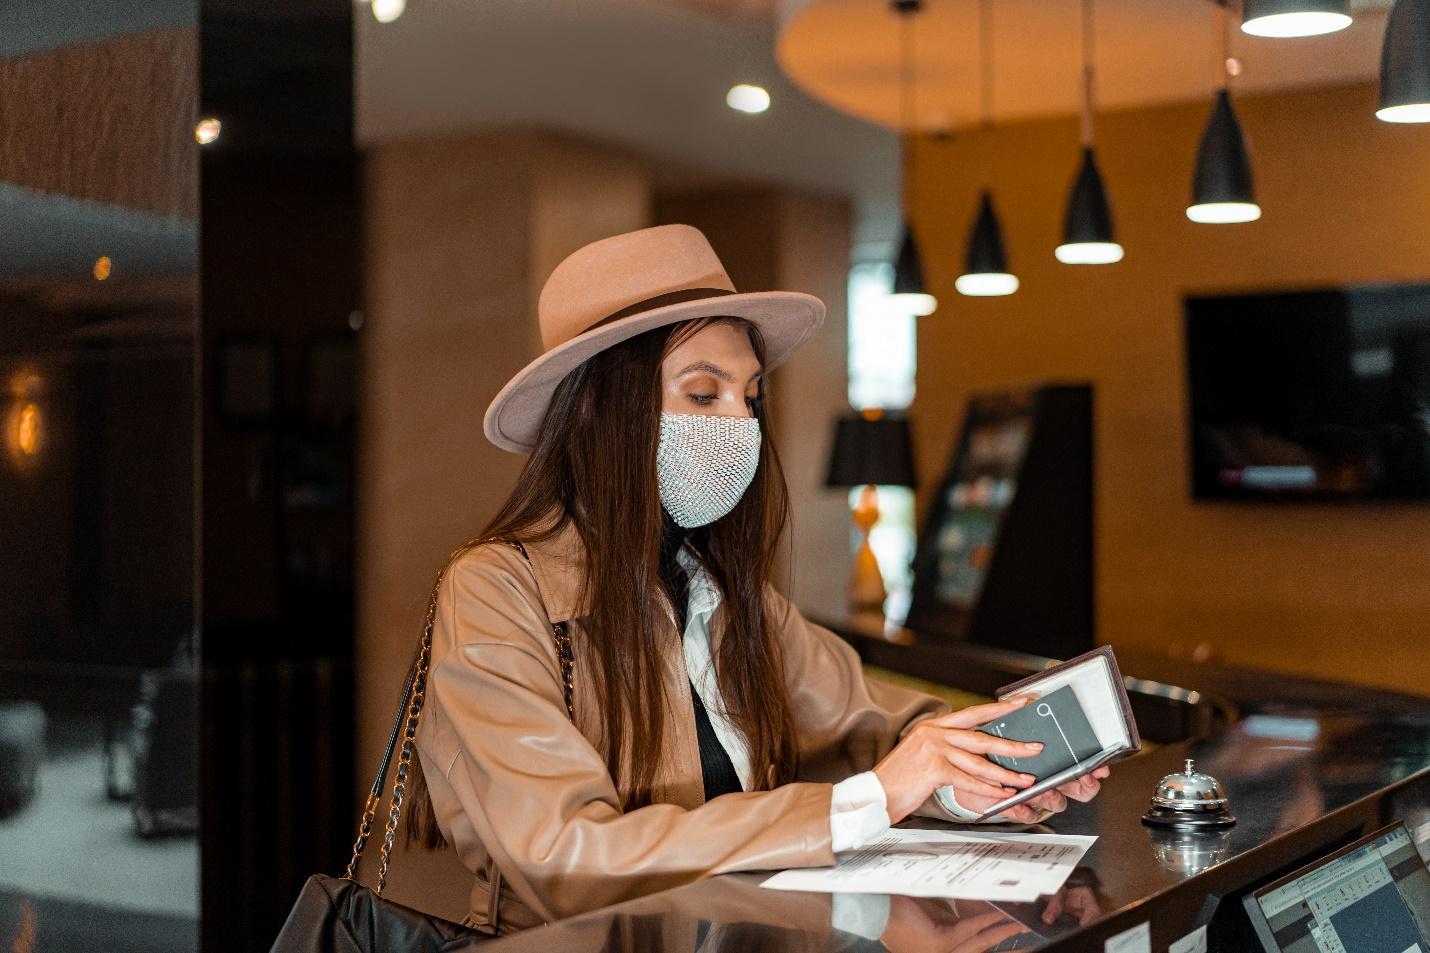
613 289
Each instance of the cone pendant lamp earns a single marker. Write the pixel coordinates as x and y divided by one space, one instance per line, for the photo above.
1088 237
1222 187
909 289
1222 190
909 292
985 272
1405 63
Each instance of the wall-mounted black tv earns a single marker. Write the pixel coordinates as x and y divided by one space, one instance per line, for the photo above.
1319 395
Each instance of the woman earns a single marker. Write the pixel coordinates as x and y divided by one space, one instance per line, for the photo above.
705 725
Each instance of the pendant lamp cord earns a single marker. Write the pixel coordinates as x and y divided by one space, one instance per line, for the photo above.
906 13
1229 67
1087 72
985 83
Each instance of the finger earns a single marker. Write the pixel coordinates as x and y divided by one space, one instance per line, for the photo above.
1085 790
1101 772
981 767
1051 801
984 743
1054 907
976 715
1021 813
964 783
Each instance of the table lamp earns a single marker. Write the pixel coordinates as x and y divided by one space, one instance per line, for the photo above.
870 449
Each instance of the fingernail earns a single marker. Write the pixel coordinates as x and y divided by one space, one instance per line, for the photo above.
1034 746
1028 777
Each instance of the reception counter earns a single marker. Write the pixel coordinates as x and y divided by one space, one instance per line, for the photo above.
1308 766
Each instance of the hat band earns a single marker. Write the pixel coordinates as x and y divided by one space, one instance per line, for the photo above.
660 301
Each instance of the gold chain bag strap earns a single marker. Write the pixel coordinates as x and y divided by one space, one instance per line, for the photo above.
410 710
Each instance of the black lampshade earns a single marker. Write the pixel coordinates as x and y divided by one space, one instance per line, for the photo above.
1089 217
871 451
909 267
1405 63
1281 18
985 244
1087 228
1222 189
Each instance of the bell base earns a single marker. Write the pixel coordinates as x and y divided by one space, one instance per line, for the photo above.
1188 820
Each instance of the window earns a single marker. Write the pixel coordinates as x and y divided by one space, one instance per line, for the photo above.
881 376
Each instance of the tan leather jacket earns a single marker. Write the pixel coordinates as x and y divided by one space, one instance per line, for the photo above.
515 783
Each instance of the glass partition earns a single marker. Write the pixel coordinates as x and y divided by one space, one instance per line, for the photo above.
98 400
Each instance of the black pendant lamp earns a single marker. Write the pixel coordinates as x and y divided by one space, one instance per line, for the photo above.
985 272
909 290
1088 237
909 277
1286 18
1222 188
1405 63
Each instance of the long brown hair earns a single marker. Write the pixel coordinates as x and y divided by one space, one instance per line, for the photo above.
599 437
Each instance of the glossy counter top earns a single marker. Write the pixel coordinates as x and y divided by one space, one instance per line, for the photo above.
1307 766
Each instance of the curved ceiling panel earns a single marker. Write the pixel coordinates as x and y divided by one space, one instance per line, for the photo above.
845 53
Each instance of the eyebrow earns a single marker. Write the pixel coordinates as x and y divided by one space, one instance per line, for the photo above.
714 369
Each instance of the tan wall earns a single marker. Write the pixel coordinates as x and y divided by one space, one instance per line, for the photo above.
1342 592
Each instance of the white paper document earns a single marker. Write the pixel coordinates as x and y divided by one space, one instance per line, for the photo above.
946 864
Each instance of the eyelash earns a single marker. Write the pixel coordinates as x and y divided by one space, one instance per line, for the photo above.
703 399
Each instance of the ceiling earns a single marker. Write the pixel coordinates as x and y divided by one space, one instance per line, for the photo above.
846 54
651 75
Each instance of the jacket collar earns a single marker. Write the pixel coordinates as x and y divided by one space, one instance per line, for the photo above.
559 564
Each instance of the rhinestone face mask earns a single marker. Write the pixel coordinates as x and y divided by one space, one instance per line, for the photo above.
704 465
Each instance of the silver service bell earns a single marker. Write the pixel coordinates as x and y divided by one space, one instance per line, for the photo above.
1189 801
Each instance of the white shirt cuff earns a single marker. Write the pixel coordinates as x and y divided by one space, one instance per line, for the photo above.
949 803
858 812
862 914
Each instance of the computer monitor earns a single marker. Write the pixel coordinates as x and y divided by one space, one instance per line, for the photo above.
1372 896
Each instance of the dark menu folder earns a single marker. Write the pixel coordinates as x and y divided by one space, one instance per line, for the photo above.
1082 716
1058 721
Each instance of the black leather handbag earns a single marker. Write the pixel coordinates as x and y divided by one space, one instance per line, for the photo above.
340 915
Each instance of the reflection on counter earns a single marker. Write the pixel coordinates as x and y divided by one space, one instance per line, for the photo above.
1187 853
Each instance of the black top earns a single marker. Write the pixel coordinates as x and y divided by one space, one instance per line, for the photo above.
716 769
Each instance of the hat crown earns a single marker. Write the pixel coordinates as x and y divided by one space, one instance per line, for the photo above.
613 274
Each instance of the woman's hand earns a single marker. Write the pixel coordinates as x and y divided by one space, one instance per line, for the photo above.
950 750
1038 808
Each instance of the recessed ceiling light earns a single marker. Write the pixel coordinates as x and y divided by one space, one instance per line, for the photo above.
748 99
385 11
207 130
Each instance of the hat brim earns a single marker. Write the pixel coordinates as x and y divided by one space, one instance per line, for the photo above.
786 320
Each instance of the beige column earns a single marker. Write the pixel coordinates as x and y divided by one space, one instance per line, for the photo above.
461 233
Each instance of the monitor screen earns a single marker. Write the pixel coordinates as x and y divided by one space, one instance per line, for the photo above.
1319 395
1370 897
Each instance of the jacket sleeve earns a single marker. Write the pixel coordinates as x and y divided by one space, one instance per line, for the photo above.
538 794
846 722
